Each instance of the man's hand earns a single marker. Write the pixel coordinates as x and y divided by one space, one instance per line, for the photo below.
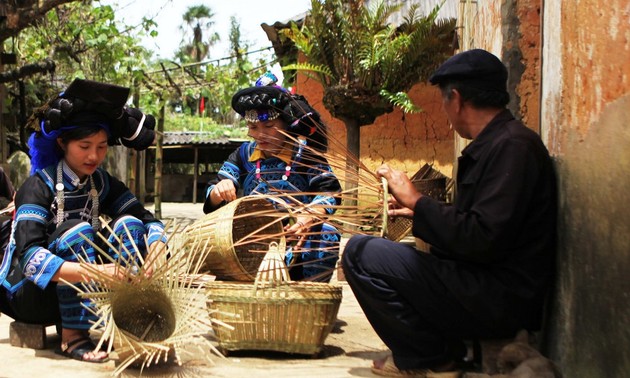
400 186
395 210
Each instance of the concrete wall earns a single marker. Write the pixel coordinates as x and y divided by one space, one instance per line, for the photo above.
585 118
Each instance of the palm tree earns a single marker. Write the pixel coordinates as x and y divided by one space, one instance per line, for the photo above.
365 64
199 18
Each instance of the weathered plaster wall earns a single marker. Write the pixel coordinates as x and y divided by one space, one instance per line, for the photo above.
405 141
585 118
486 27
520 22
480 27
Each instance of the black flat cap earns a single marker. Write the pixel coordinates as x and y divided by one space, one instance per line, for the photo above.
476 67
104 98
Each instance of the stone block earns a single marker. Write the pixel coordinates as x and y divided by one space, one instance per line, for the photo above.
26 335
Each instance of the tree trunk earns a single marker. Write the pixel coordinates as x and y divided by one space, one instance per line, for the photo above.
353 144
158 164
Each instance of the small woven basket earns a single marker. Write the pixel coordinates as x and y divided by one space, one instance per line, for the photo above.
273 313
430 183
235 237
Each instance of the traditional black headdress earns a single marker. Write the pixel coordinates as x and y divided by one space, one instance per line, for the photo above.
266 101
88 103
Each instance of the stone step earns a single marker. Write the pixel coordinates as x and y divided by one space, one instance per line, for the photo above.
25 335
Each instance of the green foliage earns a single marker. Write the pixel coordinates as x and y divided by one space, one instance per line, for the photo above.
200 19
224 82
402 100
347 44
308 67
84 41
207 126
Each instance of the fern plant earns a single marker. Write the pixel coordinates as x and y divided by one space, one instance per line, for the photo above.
364 63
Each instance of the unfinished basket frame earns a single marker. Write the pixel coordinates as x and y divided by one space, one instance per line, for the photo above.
234 235
429 182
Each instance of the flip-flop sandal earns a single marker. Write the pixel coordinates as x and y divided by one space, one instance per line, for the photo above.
389 369
83 345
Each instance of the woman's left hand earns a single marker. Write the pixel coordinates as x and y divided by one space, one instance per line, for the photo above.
156 250
297 232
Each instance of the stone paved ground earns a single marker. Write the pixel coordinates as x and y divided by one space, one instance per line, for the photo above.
347 351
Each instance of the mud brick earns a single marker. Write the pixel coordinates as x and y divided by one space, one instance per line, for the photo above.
26 335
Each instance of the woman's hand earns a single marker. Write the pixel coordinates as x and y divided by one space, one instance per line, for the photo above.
113 271
156 253
77 272
224 190
298 231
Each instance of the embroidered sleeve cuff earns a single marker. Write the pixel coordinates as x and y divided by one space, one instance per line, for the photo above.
41 266
155 232
327 201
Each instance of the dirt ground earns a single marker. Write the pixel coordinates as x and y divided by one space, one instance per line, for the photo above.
347 351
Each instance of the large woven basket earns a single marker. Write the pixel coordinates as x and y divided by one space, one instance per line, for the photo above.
222 234
275 315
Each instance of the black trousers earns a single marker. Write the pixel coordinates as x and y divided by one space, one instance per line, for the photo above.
30 304
402 294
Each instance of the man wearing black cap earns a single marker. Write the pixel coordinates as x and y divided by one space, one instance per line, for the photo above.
491 257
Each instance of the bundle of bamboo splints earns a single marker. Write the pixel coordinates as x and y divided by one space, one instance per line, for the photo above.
147 319
241 231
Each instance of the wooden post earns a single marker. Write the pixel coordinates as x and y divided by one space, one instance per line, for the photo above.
353 135
195 175
158 163
3 137
142 175
132 171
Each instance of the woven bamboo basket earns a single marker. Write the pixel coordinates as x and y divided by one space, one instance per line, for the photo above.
235 236
274 315
430 183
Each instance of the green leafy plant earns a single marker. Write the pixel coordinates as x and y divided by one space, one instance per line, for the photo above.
365 63
402 100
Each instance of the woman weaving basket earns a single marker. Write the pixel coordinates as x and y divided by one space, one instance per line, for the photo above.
285 161
59 206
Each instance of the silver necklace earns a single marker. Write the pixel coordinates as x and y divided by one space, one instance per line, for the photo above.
96 223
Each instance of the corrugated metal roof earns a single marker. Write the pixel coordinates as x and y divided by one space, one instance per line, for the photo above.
172 138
